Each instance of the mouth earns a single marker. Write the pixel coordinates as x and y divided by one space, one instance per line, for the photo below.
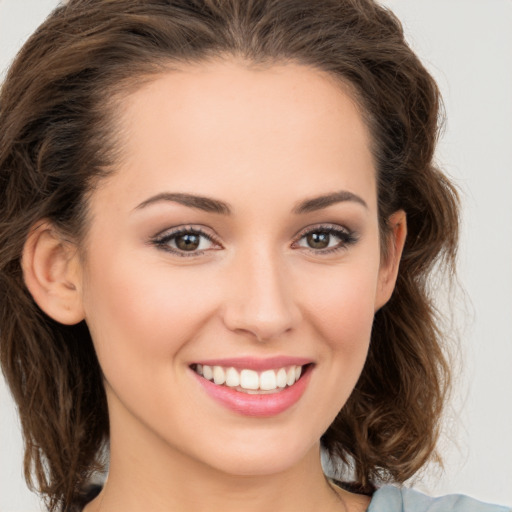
252 387
253 382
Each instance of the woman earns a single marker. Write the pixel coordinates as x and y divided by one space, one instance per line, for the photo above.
219 221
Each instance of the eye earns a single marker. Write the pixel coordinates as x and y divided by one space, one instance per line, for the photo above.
185 241
326 239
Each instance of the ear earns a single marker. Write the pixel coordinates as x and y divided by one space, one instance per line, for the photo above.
52 273
388 271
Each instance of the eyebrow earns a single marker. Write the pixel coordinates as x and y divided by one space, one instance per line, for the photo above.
321 202
210 205
206 204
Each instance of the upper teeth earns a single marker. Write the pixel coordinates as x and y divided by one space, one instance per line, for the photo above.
250 380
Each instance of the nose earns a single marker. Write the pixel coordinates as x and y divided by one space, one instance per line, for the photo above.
261 302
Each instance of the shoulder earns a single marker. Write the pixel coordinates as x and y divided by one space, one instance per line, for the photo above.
394 499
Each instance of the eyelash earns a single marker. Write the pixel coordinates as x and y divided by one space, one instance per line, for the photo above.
346 237
162 240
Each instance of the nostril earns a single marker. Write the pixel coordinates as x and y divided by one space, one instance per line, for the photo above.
261 327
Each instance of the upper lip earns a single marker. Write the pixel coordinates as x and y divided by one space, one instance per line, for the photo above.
255 363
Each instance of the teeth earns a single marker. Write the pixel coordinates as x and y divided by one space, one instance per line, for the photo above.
207 372
232 378
219 375
268 380
250 381
281 378
290 376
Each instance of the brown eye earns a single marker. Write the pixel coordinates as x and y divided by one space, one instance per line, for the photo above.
318 240
326 239
187 241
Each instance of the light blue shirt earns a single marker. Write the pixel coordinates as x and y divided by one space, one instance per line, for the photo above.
394 499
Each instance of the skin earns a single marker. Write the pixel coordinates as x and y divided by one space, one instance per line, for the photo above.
262 141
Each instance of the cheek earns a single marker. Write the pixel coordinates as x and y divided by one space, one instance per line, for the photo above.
345 323
340 311
142 313
341 306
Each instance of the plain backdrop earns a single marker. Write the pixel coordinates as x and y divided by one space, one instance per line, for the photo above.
467 45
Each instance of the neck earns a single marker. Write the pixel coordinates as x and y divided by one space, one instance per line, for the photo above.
183 484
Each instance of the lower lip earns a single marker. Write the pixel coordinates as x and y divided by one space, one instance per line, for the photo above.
264 405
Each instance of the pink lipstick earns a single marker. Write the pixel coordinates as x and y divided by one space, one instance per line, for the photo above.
254 387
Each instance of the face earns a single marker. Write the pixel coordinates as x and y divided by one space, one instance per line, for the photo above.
235 247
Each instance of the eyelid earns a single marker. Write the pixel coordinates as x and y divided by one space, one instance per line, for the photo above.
346 235
350 236
162 238
323 227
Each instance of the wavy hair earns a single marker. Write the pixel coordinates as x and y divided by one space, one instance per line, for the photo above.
57 113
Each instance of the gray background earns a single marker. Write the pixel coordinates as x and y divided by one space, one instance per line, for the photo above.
467 44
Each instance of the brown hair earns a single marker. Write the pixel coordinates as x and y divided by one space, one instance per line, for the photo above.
56 115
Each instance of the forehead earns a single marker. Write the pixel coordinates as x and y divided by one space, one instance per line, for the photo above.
200 126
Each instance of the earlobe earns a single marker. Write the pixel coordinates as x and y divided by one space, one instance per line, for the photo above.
52 273
389 267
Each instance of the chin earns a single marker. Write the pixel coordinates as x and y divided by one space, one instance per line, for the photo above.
267 457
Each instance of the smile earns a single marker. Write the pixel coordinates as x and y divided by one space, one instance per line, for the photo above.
253 387
250 381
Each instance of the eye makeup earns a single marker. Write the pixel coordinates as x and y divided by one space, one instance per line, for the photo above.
194 241
319 239
186 241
